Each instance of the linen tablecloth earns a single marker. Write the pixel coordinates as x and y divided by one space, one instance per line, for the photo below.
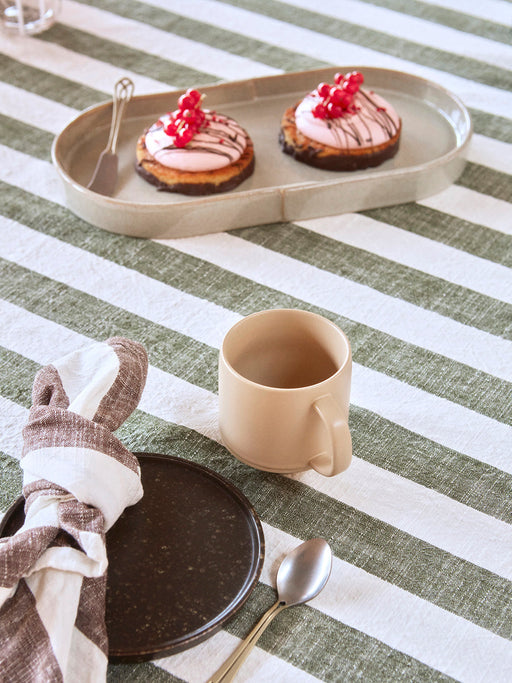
420 524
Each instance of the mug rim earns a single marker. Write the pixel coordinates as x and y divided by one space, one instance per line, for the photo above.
295 311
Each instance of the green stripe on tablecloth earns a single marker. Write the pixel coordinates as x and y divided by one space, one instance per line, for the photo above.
492 126
488 181
24 138
448 17
375 438
386 445
208 34
356 537
326 648
455 232
466 67
48 85
394 279
16 378
125 57
471 482
372 348
11 479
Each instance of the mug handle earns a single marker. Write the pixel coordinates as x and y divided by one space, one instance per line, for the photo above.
339 454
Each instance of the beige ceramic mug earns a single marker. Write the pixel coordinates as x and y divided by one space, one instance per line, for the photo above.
284 392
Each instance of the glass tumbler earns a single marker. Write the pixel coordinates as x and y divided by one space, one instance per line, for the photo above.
29 16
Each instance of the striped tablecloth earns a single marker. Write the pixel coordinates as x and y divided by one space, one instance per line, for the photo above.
420 524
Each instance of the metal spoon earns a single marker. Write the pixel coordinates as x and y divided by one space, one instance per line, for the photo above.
301 576
104 178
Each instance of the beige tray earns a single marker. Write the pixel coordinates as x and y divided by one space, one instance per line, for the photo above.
436 131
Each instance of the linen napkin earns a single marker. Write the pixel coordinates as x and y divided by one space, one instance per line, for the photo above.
77 480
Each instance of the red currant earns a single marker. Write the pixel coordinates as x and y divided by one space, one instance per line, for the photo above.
356 77
334 111
190 100
338 78
189 114
319 111
194 95
346 100
171 128
336 95
350 88
323 89
186 102
183 137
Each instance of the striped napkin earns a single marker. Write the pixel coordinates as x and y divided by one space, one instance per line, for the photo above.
77 480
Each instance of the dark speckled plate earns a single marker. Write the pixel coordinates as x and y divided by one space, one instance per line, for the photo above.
181 562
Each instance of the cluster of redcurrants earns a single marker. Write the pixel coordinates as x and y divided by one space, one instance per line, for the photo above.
187 120
337 99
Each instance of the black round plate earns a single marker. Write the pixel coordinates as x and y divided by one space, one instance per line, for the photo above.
181 562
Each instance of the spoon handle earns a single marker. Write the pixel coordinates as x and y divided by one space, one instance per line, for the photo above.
123 91
230 667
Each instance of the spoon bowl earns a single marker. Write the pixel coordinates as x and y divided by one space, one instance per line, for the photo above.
304 572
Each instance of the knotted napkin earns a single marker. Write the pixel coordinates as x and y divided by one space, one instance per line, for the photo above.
77 480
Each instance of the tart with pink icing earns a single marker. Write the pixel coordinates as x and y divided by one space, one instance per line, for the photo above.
195 151
341 127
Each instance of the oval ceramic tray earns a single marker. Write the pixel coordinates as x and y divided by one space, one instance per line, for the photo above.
436 129
181 562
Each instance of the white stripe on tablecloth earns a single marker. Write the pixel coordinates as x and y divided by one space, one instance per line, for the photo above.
13 419
160 43
490 152
31 174
135 292
449 423
473 207
84 69
415 251
343 53
433 417
409 28
211 654
403 621
422 512
20 105
498 11
396 317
